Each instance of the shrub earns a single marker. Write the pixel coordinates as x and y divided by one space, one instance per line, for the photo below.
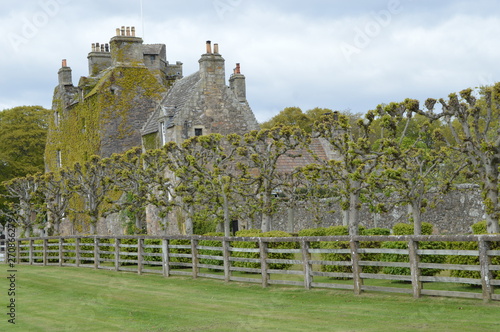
247 244
152 250
280 245
320 231
477 228
180 251
211 243
271 245
344 230
407 229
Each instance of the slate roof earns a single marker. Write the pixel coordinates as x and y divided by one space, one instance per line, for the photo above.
152 48
174 100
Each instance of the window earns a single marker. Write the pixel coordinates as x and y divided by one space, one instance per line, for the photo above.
198 131
163 132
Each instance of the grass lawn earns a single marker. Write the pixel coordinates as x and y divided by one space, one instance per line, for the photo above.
80 299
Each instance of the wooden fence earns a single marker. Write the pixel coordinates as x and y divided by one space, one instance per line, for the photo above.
254 260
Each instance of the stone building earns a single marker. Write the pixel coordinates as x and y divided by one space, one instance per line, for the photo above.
133 96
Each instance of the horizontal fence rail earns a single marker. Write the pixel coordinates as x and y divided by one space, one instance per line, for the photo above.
410 264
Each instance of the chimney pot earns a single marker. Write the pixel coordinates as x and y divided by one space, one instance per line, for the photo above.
133 31
122 31
93 47
106 47
117 31
64 63
216 48
97 47
102 47
209 47
237 70
128 31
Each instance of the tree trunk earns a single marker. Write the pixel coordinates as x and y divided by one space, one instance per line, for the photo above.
416 214
266 215
189 221
227 221
491 201
353 213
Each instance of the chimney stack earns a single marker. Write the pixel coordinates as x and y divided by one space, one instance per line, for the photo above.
65 74
237 84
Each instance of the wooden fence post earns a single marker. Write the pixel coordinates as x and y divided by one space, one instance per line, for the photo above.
77 252
263 262
96 252
61 254
45 253
414 269
165 258
356 269
227 263
485 261
194 257
117 254
306 256
30 251
140 242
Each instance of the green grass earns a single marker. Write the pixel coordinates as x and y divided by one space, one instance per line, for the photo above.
81 299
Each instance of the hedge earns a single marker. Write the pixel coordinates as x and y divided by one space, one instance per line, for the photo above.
477 228
407 229
271 245
211 243
344 230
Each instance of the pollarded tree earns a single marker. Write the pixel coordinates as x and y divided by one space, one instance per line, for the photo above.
214 164
132 179
25 208
475 127
57 195
412 160
92 182
262 150
353 173
155 168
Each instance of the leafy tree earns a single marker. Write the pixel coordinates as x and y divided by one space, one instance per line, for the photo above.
290 116
92 182
262 150
474 125
23 132
25 208
412 159
352 173
132 179
56 194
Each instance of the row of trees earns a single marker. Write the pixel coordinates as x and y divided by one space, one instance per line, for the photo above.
396 154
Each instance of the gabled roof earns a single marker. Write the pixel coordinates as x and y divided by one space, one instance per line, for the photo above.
302 157
174 100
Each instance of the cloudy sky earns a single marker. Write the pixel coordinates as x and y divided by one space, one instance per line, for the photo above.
333 54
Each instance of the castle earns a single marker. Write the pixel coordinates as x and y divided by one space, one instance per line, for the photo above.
134 97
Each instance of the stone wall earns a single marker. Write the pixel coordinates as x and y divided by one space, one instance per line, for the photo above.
454 213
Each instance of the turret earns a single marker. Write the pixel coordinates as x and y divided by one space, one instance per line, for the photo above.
212 68
126 48
99 58
237 84
65 74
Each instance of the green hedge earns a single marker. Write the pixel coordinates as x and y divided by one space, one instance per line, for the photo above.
211 243
271 245
477 228
180 251
344 230
407 229
320 231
